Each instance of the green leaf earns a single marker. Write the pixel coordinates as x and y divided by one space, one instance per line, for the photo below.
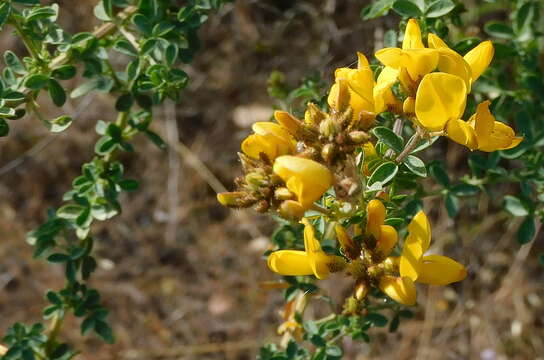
383 174
4 128
59 124
415 165
499 30
125 47
36 81
142 23
53 298
452 204
163 28
376 319
58 258
524 20
129 184
56 92
64 72
394 324
406 8
376 9
105 145
515 206
171 54
69 211
13 62
439 8
155 139
102 84
124 102
105 332
465 190
87 325
149 45
390 38
5 10
333 350
389 138
437 171
527 230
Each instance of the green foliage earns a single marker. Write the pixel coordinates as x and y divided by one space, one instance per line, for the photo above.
156 36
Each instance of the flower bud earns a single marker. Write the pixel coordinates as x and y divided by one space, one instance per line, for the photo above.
292 210
361 290
283 193
262 206
255 180
339 96
358 137
409 106
313 115
351 249
235 199
367 119
336 263
327 153
288 121
327 128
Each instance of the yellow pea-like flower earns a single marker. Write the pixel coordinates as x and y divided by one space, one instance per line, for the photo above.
400 289
428 269
312 261
269 138
413 56
492 135
473 64
440 97
305 178
385 235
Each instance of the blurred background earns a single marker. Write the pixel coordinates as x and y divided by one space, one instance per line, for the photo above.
180 273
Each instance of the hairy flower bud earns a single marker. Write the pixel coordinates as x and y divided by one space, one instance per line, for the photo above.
361 289
409 106
327 153
313 115
283 193
292 210
351 248
358 137
234 199
288 121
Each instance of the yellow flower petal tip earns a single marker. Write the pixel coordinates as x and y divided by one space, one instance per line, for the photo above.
440 270
492 135
400 289
375 216
387 240
415 245
288 121
440 97
412 36
270 139
479 58
307 179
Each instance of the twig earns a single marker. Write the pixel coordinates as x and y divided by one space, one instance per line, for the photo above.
412 144
321 209
174 170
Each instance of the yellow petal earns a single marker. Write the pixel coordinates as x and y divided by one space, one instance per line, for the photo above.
305 178
412 36
492 135
418 62
362 61
287 121
255 144
435 42
290 263
452 63
462 133
415 245
269 138
382 94
440 97
440 270
339 95
375 216
318 259
387 240
311 244
402 290
479 58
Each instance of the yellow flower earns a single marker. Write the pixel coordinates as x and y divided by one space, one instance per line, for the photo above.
440 98
270 139
477 59
313 260
385 235
413 56
415 266
492 135
364 95
305 178
449 61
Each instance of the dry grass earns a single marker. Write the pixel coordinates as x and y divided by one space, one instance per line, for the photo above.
180 273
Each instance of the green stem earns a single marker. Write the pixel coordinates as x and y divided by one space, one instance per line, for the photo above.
56 327
412 144
29 44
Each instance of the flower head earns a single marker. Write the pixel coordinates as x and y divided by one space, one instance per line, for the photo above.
385 235
270 139
414 265
312 261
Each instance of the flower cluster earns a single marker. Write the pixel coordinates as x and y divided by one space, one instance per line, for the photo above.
289 164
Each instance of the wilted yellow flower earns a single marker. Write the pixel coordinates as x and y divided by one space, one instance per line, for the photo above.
350 247
413 56
312 261
269 138
307 179
385 235
415 266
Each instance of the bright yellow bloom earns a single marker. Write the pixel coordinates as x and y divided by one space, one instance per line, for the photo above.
492 135
415 266
305 178
449 61
440 98
477 59
364 95
269 138
385 235
312 261
413 56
